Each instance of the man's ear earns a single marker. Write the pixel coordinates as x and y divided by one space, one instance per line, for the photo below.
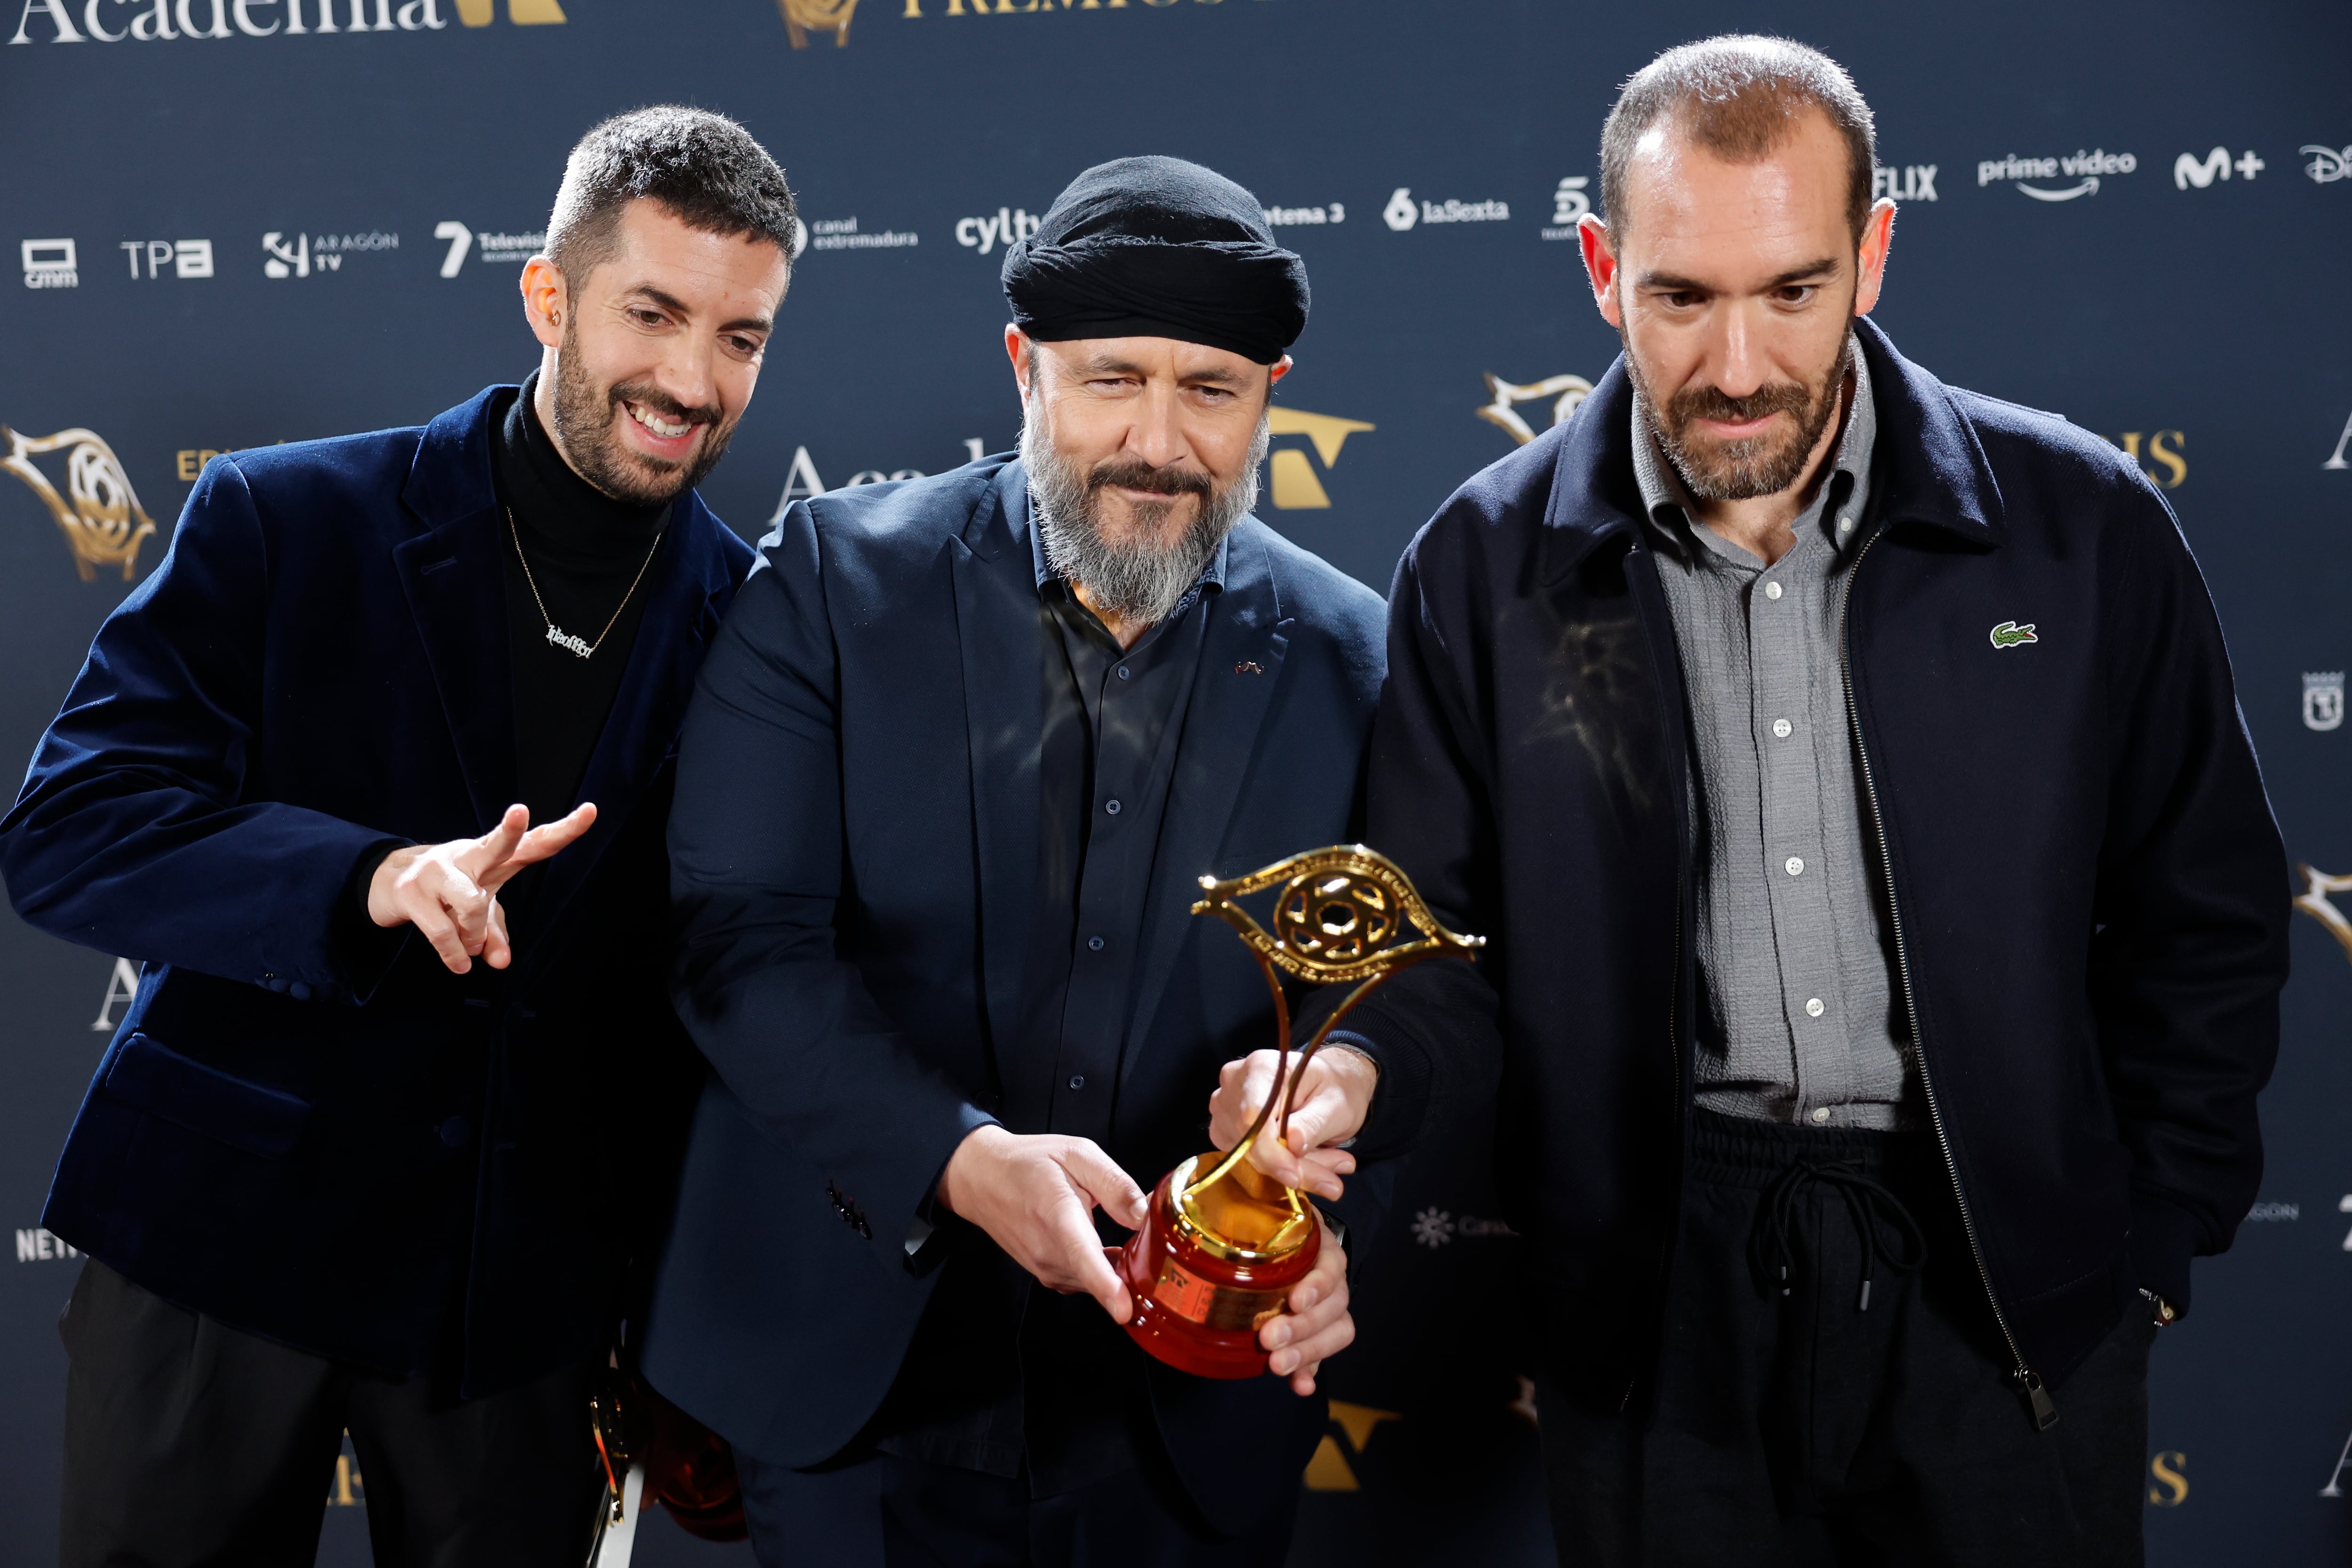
1276 371
1600 265
1877 238
1016 349
545 298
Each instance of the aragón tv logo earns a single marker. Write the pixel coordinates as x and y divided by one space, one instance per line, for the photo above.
166 21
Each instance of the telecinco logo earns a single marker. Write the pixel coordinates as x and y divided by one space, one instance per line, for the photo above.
51 264
984 234
305 254
1569 202
2086 169
1402 212
2190 170
164 20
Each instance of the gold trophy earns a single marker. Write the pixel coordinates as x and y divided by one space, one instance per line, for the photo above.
1221 1251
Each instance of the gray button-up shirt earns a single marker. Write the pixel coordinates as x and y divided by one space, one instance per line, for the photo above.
1799 1007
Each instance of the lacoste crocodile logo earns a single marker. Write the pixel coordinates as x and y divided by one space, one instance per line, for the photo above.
2009 633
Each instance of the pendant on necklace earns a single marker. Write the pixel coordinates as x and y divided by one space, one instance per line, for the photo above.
567 642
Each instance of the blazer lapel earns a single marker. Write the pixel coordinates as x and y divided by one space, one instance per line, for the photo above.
456 582
1247 633
996 626
680 618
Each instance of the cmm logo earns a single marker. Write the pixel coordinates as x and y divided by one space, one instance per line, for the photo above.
104 524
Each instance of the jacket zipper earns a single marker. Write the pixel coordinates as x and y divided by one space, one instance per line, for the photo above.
2039 1405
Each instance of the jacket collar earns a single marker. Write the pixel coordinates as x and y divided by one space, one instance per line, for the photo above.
454 574
1929 466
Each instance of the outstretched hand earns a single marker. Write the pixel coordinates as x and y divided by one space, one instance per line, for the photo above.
449 892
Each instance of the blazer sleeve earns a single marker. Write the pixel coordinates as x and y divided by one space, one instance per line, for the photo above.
132 835
2192 910
756 859
1434 1028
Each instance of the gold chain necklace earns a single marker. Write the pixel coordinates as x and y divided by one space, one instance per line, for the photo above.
561 638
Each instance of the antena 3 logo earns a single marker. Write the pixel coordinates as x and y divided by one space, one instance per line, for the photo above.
166 20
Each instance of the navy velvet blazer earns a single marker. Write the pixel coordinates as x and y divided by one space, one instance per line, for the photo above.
321 1134
853 851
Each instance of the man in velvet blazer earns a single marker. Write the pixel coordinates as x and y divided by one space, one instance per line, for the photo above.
362 1155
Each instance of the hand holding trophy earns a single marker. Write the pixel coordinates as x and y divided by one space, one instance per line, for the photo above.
1223 1243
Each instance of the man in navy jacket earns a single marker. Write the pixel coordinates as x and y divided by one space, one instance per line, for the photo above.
959 756
389 1123
1886 920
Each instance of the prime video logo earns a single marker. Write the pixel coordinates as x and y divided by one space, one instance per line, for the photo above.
2085 168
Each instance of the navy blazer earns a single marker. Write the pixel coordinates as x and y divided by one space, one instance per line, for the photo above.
306 1128
853 851
2089 893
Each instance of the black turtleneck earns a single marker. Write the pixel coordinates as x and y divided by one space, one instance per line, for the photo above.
584 549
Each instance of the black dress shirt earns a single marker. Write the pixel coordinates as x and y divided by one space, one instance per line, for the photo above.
1004 1376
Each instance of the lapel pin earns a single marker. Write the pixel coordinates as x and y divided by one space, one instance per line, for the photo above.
1249 667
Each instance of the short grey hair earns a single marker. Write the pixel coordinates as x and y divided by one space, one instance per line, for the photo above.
706 170
1739 95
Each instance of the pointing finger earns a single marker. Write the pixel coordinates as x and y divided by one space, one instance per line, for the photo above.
495 845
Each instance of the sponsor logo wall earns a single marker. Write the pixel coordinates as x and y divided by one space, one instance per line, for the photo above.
306 218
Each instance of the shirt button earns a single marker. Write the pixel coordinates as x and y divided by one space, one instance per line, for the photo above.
1094 944
454 1133
1771 590
1814 1008
1794 864
1077 1080
1821 1115
1845 525
1783 728
1122 672
1111 807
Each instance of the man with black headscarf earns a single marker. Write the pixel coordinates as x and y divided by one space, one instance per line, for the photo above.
940 957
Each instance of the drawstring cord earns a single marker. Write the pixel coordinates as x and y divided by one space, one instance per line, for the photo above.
1771 1249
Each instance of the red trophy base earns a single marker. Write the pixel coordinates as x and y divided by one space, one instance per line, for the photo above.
1201 1298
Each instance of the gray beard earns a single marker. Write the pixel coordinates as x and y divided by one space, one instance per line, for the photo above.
1134 578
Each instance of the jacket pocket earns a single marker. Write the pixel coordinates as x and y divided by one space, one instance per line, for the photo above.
162 1082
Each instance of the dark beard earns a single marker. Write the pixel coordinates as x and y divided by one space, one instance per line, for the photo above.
585 418
1135 577
1757 466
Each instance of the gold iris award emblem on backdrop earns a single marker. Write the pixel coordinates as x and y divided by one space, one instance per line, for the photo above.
1223 1243
105 524
802 17
2314 902
1500 409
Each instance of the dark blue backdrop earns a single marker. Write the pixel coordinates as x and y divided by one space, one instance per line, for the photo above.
237 226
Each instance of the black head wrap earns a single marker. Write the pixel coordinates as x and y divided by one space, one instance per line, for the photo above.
1157 247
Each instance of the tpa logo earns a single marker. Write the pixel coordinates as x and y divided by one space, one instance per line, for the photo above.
984 234
51 264
184 258
2190 170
